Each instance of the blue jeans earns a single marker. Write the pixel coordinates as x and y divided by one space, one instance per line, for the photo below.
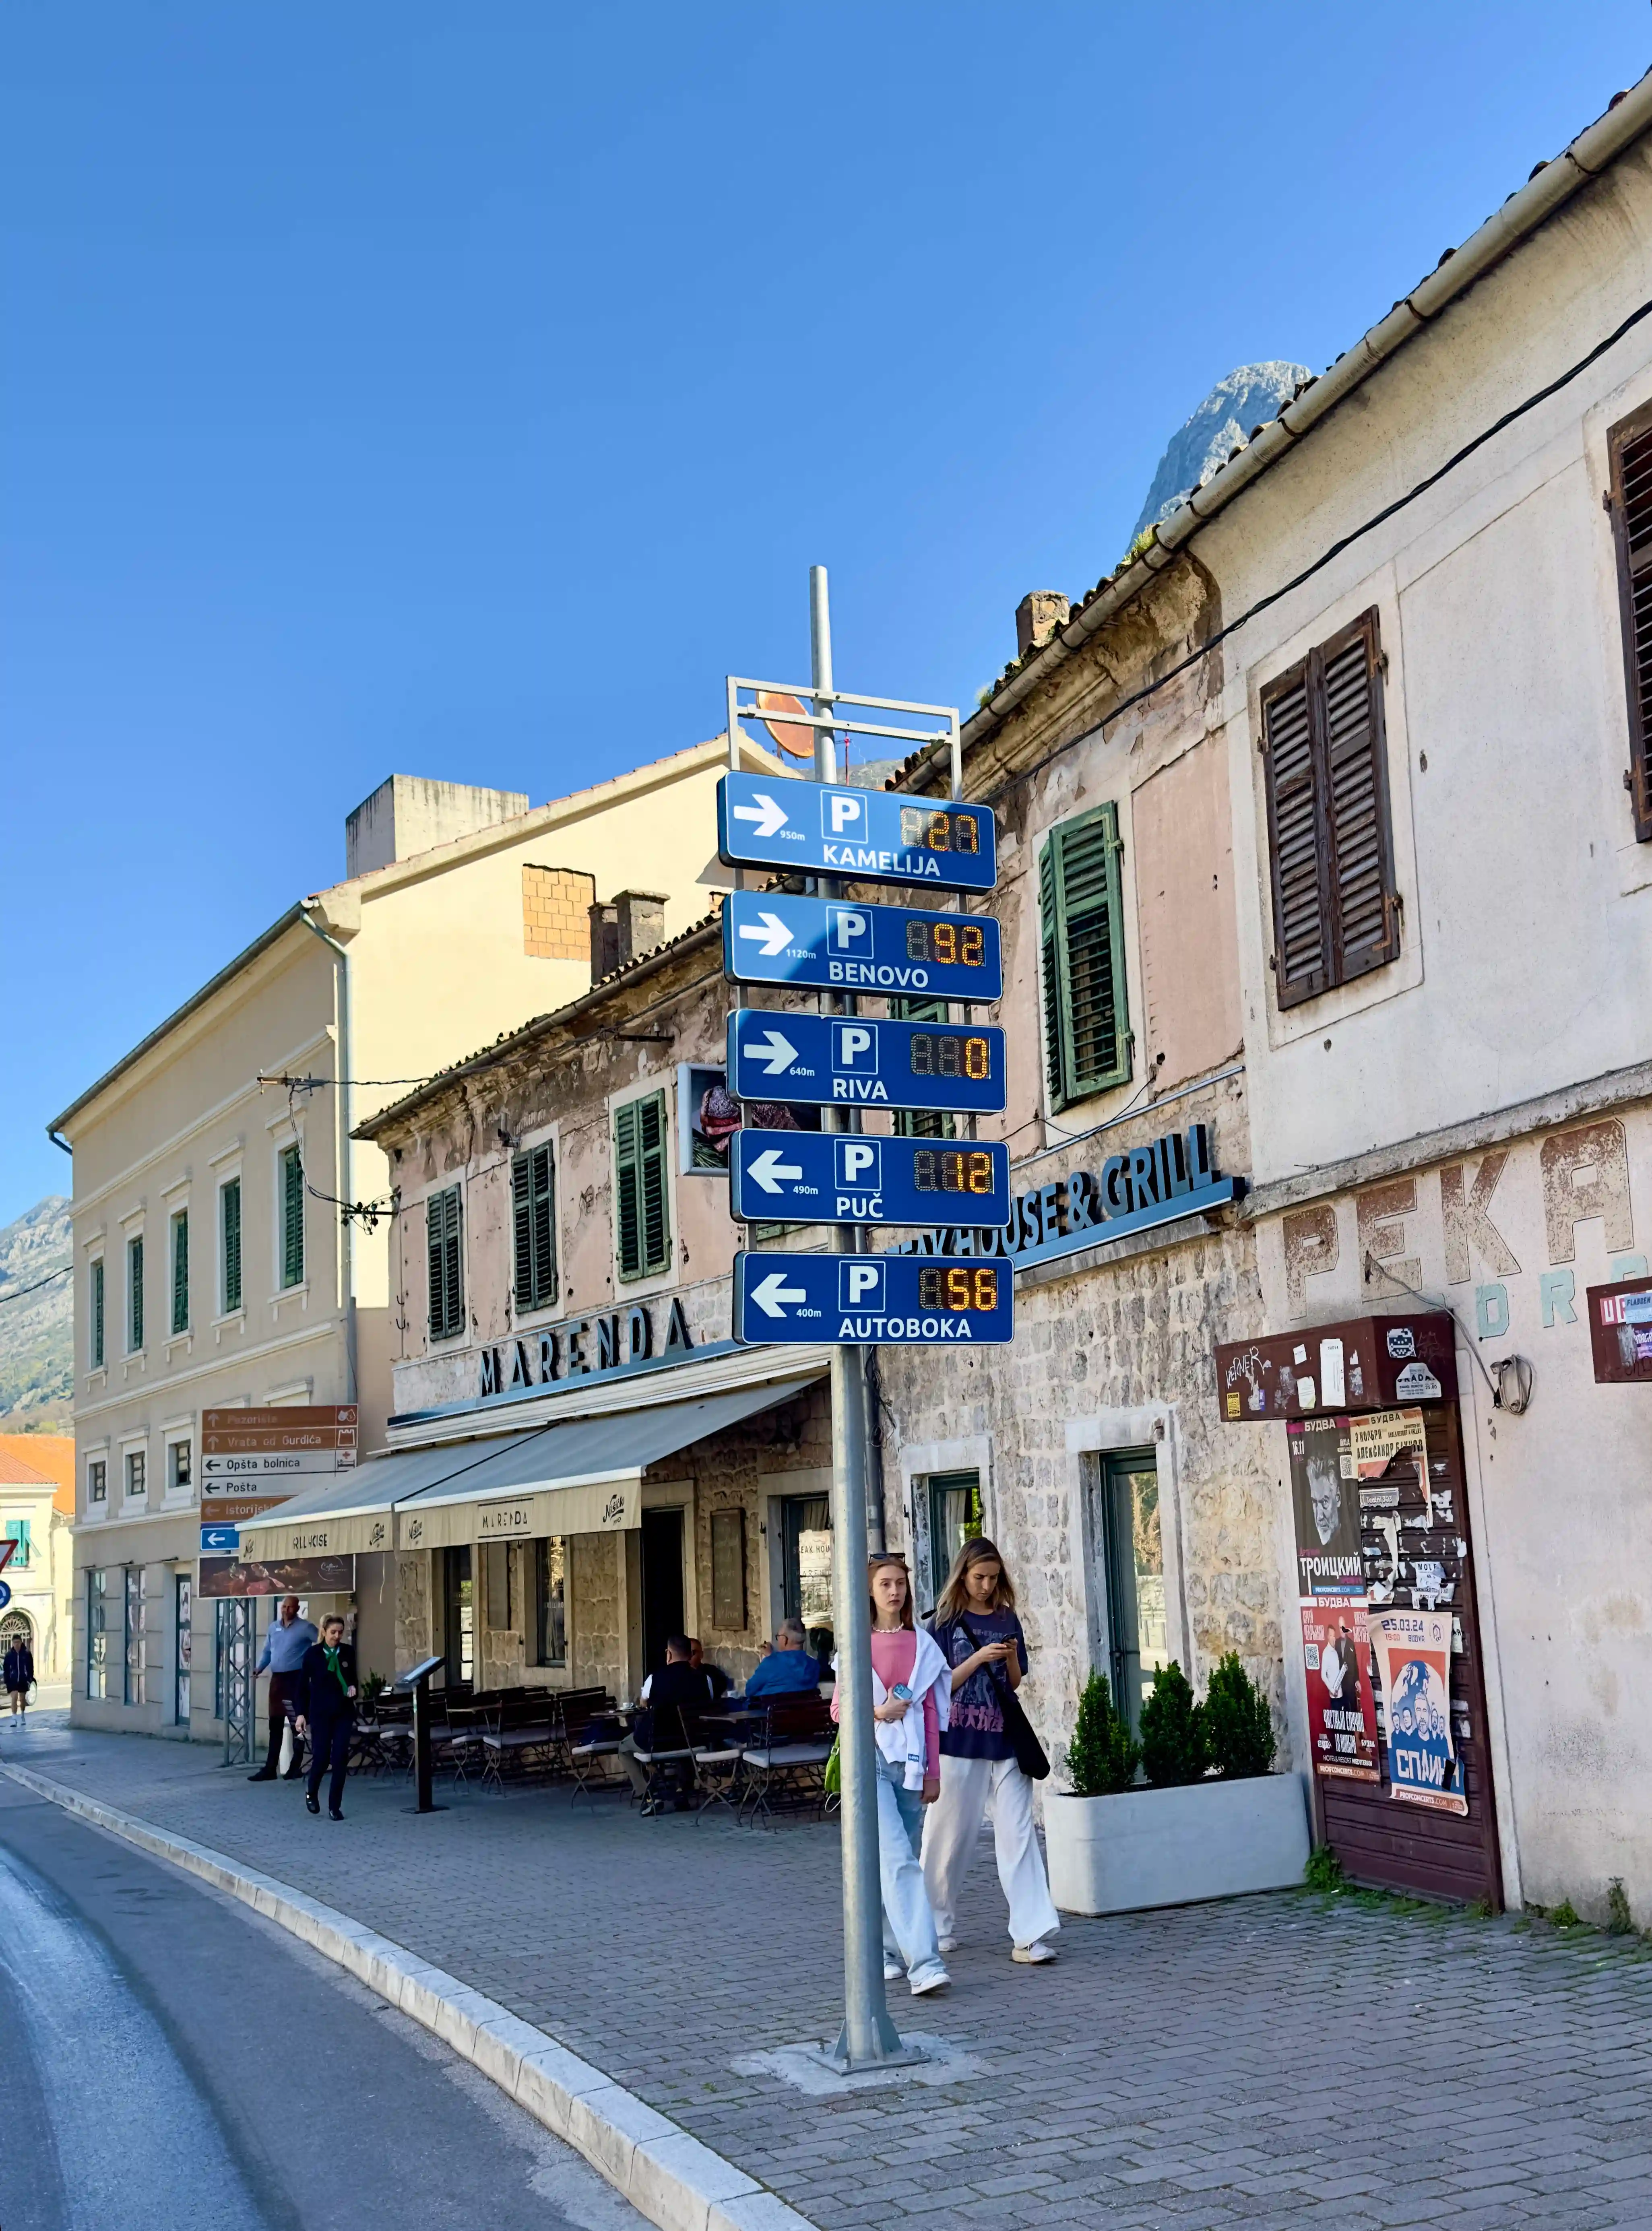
909 1925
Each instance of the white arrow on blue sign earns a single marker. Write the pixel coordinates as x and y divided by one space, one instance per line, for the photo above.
220 1541
823 1177
893 1301
822 1061
873 836
833 945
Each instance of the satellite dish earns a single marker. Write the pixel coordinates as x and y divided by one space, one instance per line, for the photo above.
797 743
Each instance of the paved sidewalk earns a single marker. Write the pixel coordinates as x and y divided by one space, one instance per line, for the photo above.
1275 2061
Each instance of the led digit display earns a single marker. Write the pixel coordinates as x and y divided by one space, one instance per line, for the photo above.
947 941
951 1053
929 831
952 1169
959 1287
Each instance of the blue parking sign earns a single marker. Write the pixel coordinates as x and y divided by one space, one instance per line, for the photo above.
891 1301
869 836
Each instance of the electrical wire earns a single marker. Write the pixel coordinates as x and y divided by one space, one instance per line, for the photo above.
1329 557
17 1292
1517 1403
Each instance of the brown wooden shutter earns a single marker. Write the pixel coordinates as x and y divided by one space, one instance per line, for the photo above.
1336 909
1630 447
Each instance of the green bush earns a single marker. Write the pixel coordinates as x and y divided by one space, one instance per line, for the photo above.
1173 1735
1239 1728
1564 1916
1103 1756
1619 1920
1323 1869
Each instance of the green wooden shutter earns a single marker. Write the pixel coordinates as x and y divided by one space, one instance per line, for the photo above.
135 1293
922 1122
97 1314
230 1199
181 1272
533 1187
1086 1009
446 1261
292 1217
17 1531
642 1213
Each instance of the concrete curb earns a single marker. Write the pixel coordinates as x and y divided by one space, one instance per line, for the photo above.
666 2174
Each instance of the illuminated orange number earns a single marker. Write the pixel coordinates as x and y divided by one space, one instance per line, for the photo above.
957 1289
976 1064
981 1173
986 1288
939 832
974 941
945 937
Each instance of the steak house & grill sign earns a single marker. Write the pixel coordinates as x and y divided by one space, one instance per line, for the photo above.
1173 1177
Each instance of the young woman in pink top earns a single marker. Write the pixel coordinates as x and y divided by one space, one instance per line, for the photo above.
911 1695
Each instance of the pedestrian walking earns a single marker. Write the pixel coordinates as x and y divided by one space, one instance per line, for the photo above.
975 1626
288 1638
19 1671
326 1712
911 1695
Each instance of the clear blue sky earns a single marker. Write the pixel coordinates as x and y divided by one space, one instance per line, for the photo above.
464 391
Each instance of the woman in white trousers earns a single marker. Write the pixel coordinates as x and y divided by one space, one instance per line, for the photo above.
976 1625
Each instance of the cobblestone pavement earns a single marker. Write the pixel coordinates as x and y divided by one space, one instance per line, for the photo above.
1271 2061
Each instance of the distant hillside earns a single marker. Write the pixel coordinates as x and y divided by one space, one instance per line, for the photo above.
1223 423
37 1331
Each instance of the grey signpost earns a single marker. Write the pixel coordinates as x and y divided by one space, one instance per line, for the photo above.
864 837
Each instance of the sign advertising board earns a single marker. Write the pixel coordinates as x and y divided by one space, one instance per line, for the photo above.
830 945
298 1576
1620 1332
827 1060
895 1301
866 834
1341 1708
1363 1363
1325 1501
844 1177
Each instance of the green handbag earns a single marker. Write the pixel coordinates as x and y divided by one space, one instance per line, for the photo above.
833 1777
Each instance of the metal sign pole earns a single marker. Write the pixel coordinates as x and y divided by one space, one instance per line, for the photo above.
868 2036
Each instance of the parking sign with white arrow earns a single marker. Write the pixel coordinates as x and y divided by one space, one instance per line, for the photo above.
824 1061
869 836
847 1177
897 1300
771 938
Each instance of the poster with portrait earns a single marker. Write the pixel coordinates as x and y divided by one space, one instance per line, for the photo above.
1413 1651
1326 1508
1342 1704
297 1576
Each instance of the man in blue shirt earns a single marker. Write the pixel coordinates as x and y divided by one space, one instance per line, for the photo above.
790 1669
282 1658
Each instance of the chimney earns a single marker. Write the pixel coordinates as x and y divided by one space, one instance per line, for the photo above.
412 813
625 927
1037 617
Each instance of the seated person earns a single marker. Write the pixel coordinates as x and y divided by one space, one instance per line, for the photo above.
678 1682
721 1682
790 1670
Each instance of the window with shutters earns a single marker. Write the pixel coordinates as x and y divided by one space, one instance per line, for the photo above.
229 1244
134 1294
922 1122
292 1217
443 1254
532 1201
1087 1037
1336 909
642 1207
1630 446
96 1327
181 1272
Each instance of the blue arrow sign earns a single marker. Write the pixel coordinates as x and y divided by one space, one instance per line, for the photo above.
894 1301
220 1541
823 1177
768 939
874 836
826 1060
5 1594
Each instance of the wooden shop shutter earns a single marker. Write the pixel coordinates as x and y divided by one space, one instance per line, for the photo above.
446 1264
533 1192
181 1272
1086 1010
1631 445
642 1222
97 1313
1336 910
232 1199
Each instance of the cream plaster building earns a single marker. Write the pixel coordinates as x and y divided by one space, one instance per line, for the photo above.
37 1516
213 1266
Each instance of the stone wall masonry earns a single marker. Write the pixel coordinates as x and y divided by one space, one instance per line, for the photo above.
596 1647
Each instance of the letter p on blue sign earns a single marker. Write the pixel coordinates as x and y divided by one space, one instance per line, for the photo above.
860 1284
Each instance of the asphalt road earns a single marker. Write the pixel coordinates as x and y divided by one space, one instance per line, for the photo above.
168 2058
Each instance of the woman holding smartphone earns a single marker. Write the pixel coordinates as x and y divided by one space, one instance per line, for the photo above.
911 1695
976 1628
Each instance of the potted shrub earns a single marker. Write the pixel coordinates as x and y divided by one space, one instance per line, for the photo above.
1212 1821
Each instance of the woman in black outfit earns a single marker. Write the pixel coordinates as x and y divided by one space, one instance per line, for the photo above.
326 1707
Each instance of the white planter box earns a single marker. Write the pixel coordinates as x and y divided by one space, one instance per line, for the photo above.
1172 1846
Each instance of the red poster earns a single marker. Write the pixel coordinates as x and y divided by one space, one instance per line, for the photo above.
1342 1706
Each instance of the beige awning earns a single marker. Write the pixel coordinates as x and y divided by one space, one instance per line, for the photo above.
580 1477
